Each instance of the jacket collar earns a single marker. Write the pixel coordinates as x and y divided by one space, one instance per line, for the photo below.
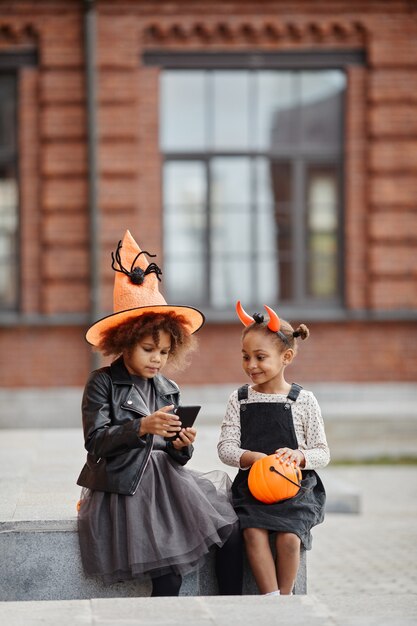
120 376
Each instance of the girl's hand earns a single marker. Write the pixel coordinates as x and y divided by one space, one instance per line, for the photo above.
248 458
288 456
162 422
185 438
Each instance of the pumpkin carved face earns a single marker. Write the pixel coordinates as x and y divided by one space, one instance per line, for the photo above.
270 480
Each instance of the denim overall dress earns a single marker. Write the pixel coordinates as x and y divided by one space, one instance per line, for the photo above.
265 427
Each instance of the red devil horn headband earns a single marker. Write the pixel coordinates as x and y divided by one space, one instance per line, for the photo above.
274 323
243 316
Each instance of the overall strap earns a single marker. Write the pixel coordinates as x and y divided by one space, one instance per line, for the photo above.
294 392
242 392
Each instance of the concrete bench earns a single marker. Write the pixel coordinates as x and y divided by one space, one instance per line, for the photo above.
41 561
39 552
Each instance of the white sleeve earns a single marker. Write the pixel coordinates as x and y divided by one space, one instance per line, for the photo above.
228 448
314 446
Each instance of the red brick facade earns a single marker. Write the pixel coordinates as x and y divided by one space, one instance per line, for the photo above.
380 201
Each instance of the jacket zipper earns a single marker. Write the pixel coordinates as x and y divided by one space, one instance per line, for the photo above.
145 465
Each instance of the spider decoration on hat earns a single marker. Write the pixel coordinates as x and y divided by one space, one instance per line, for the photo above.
136 274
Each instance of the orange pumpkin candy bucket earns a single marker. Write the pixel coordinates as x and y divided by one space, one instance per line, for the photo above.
271 481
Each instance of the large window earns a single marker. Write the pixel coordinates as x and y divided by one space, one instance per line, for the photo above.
8 194
252 185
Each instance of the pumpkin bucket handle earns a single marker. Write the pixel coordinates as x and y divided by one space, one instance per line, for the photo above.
273 469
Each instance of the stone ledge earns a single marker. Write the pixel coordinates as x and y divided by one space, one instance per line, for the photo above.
47 566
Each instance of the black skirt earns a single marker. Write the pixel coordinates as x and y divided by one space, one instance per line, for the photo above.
295 515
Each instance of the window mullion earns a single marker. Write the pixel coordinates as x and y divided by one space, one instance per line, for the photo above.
298 227
255 253
209 126
253 208
208 237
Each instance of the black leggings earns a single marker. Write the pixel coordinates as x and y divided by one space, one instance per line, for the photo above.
167 585
228 567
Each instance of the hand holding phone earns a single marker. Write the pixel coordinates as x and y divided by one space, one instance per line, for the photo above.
187 415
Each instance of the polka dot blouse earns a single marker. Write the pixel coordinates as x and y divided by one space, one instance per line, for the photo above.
308 426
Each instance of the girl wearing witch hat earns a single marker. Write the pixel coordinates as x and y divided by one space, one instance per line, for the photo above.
273 417
142 513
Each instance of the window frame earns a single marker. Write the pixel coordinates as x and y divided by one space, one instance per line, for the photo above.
9 157
10 64
305 60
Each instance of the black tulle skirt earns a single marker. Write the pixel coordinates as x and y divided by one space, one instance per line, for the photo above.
168 525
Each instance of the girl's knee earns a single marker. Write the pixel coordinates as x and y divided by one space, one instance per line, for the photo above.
288 543
253 535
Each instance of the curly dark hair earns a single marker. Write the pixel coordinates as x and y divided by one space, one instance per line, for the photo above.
127 335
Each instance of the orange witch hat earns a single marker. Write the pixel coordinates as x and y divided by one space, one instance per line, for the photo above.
136 291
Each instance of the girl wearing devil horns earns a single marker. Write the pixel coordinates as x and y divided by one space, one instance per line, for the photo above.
271 416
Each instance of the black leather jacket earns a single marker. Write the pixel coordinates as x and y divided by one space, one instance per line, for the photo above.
112 409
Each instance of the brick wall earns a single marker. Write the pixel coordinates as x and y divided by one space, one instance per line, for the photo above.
380 171
333 352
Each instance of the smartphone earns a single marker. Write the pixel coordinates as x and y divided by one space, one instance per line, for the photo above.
187 415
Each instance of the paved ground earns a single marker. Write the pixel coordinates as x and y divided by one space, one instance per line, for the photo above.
362 569
338 610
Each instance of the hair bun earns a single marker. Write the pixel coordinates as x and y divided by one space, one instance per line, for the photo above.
258 317
302 331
